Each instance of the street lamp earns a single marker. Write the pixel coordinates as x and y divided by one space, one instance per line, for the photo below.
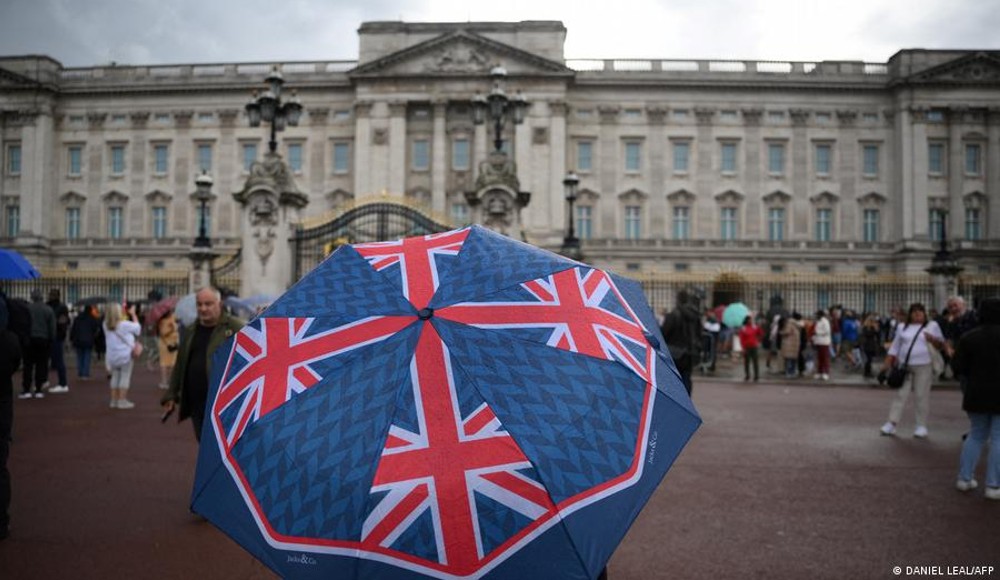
203 193
571 243
497 106
269 108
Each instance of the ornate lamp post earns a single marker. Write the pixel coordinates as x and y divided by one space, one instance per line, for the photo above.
497 107
571 243
201 253
269 108
203 194
944 269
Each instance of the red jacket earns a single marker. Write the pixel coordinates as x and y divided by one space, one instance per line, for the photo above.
750 336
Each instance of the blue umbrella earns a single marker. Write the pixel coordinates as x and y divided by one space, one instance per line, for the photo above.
734 314
14 266
452 405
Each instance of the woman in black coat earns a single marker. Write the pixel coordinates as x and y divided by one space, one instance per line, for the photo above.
977 362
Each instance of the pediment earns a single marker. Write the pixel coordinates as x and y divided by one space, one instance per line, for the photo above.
73 198
825 198
975 199
158 196
459 53
729 197
938 203
11 80
115 197
587 196
872 198
681 196
633 194
777 198
974 68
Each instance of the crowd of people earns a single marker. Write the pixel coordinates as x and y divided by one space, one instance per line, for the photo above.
922 345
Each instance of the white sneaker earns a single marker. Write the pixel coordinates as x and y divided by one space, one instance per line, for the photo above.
992 492
920 432
39 395
963 485
59 389
123 404
825 377
817 376
113 405
888 429
24 396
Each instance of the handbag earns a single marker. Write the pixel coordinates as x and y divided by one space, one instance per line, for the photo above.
897 375
137 349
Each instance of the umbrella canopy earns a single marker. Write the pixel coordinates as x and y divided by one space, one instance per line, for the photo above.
734 314
158 310
14 266
453 405
186 309
240 307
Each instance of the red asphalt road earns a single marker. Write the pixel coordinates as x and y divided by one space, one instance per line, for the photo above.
782 481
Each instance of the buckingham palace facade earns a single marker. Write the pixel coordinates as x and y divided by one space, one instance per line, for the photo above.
699 167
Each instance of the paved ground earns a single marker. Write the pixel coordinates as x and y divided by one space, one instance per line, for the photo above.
784 480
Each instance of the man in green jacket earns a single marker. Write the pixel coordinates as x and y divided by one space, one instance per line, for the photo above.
189 380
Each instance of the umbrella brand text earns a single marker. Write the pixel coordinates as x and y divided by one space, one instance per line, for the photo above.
652 449
301 559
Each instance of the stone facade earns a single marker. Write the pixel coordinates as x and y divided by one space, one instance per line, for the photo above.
696 166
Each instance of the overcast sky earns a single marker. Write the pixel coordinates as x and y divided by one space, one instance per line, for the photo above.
93 32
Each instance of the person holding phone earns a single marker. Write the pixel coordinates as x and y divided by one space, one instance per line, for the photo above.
121 330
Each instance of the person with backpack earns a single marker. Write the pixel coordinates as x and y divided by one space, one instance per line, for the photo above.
58 358
36 359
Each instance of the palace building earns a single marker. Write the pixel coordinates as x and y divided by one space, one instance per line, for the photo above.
696 168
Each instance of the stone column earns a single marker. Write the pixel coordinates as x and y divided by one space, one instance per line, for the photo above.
609 170
706 177
956 173
797 173
36 184
992 229
658 219
914 163
137 222
397 148
362 148
550 209
439 158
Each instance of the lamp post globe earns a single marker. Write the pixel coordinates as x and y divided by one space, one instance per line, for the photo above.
268 107
203 193
571 243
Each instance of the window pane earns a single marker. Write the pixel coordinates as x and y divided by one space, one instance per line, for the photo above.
776 158
681 157
14 160
823 159
871 160
584 156
823 225
936 224
118 159
460 154
75 160
632 156
249 155
72 223
160 159
13 220
584 227
728 157
295 157
460 214
776 224
681 223
728 229
205 215
341 157
871 220
421 154
632 216
159 222
115 223
205 157
972 224
972 159
935 158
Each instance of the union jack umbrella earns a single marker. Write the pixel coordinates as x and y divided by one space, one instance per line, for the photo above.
457 405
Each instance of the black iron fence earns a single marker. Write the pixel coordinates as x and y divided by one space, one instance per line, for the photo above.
77 286
807 293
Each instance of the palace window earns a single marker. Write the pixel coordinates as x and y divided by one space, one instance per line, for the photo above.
159 222
460 154
13 213
72 223
75 160
870 160
633 156
633 221
117 159
585 156
935 158
972 159
584 222
682 223
870 225
421 155
776 224
682 156
776 158
161 159
115 223
823 156
728 162
460 214
13 159
204 157
728 223
936 225
973 229
341 157
249 155
823 224
295 157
